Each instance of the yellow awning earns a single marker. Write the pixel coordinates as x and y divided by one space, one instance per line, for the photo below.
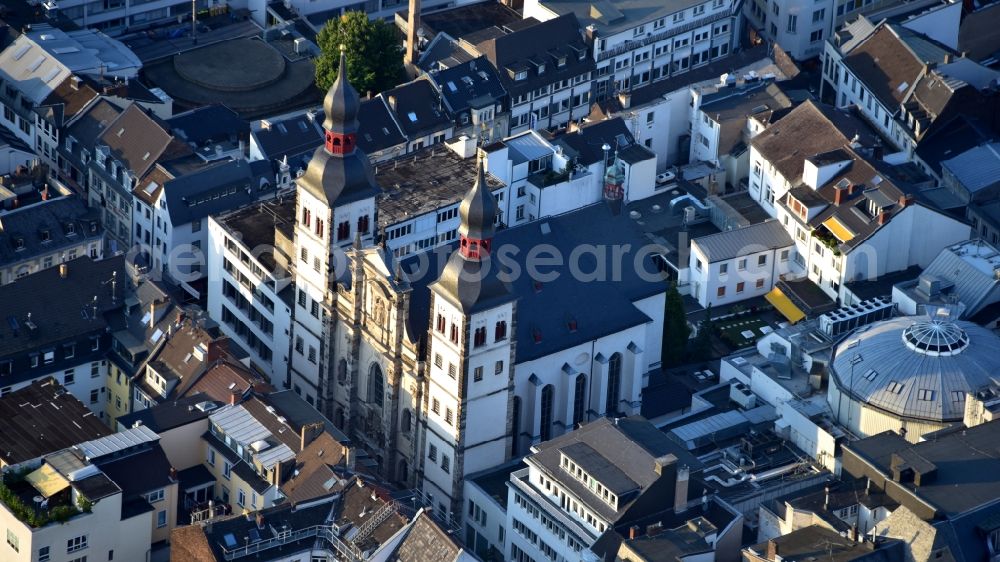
838 229
785 306
47 481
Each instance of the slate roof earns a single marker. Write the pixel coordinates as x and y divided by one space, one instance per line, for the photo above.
208 124
56 304
545 308
730 244
417 108
538 43
585 144
140 473
961 458
952 138
169 415
623 451
216 188
470 85
197 543
65 221
220 380
43 418
297 137
887 359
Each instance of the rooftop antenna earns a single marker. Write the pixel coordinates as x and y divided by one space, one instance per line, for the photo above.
114 286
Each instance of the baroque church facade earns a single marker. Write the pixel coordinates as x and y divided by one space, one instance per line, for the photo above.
443 364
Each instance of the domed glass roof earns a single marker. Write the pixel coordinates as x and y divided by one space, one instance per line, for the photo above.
917 367
936 337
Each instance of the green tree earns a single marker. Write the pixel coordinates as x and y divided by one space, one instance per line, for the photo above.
675 329
701 347
374 53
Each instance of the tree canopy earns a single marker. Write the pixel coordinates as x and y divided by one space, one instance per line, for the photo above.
374 53
675 329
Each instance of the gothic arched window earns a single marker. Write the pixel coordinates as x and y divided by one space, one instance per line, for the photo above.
376 389
614 384
546 412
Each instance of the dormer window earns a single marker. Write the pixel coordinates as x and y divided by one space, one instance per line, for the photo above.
521 75
18 244
541 69
45 235
70 229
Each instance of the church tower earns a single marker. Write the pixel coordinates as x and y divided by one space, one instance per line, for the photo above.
335 203
614 182
466 420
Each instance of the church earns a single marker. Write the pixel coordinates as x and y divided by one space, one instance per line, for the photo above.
454 360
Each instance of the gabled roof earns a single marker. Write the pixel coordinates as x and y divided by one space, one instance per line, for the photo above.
212 189
137 140
891 60
809 129
470 85
69 98
730 244
208 124
586 143
550 317
417 108
57 305
977 168
45 227
626 449
531 46
426 541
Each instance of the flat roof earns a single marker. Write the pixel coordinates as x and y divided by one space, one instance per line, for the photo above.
256 225
42 418
420 182
613 16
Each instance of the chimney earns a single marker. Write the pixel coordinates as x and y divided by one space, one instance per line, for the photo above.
838 195
883 217
309 432
173 474
826 497
234 396
152 314
625 99
63 270
260 520
411 33
947 58
633 532
392 102
654 529
74 82
905 200
772 550
681 489
349 457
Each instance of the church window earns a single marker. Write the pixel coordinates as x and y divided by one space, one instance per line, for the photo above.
579 398
440 323
319 227
501 331
546 412
344 230
406 421
306 217
454 333
363 224
614 384
477 374
375 385
480 337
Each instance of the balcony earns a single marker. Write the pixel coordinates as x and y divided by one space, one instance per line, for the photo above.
27 503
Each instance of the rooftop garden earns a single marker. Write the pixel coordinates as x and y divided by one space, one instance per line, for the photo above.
19 497
827 238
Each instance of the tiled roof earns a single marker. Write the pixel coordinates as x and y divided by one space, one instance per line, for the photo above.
809 129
